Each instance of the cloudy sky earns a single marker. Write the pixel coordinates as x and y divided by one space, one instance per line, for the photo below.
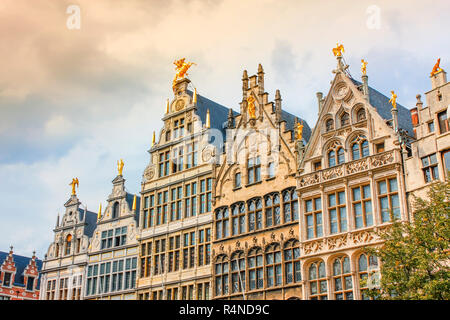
73 101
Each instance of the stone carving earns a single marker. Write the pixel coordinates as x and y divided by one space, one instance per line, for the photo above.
313 246
207 154
357 166
337 242
333 173
362 237
310 179
149 172
382 159
340 91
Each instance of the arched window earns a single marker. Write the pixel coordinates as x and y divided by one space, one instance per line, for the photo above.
336 155
115 211
360 147
222 223
290 205
273 265
237 272
255 269
238 218
292 270
329 125
254 214
273 216
331 158
366 266
342 279
318 287
345 119
221 275
361 114
68 244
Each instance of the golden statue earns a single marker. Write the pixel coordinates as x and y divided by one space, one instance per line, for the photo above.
363 67
393 100
338 50
73 184
181 67
299 130
120 166
436 67
251 107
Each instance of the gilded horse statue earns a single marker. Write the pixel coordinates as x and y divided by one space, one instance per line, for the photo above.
436 67
181 67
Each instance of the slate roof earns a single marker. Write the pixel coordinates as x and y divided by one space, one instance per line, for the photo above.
129 199
382 105
21 263
91 220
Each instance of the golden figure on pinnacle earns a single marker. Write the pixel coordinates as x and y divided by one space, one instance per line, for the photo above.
436 67
120 165
393 100
251 107
338 50
299 130
363 67
181 67
74 183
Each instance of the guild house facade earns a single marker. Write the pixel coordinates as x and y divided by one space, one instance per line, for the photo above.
257 204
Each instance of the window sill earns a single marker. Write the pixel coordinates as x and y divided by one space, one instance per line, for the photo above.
253 183
237 188
271 178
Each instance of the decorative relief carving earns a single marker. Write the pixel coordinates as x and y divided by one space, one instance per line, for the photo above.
362 237
310 179
341 90
382 159
208 154
149 172
337 242
332 173
313 246
357 166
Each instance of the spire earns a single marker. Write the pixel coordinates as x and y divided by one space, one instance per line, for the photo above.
260 79
167 106
194 99
230 124
278 105
99 215
57 220
244 85
133 208
153 138
208 120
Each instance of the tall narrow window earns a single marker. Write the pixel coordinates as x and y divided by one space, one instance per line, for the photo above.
115 210
237 180
290 205
222 223
68 244
342 279
388 199
360 147
192 155
313 215
318 287
345 119
273 265
329 125
430 168
446 162
331 158
271 170
237 272
292 270
254 170
273 215
221 276
337 212
443 121
255 269
238 218
367 266
254 214
362 206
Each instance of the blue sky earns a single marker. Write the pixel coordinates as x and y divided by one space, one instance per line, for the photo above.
72 102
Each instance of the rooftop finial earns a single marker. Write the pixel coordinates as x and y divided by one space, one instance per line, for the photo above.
167 106
99 215
393 100
120 165
436 68
338 50
363 67
208 120
194 98
133 208
153 138
181 67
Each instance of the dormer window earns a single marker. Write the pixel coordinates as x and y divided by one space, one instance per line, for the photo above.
30 283
345 119
7 279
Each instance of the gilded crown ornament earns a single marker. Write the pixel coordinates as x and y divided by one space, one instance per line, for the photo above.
436 67
181 68
120 165
74 183
393 100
